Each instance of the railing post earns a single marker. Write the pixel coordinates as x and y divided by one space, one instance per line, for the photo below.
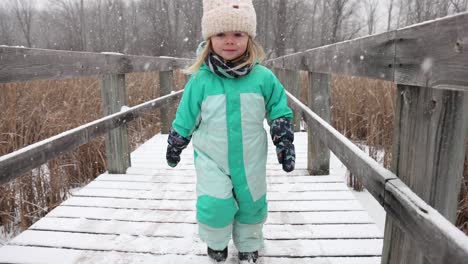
291 81
168 111
117 146
318 100
428 155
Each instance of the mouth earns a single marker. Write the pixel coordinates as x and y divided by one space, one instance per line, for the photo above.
229 50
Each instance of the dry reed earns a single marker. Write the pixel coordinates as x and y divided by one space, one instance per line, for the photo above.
33 111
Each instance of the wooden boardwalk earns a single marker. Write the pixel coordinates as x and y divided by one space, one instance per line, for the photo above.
147 216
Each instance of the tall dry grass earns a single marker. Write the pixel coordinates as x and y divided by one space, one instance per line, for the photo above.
462 214
33 111
363 110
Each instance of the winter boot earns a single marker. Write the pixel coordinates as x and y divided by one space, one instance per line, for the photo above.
218 255
248 257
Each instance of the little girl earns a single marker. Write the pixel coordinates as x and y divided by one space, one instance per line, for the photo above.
222 110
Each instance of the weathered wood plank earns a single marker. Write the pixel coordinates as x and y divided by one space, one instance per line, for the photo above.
170 216
371 173
181 195
176 178
183 246
271 232
318 100
286 187
168 111
188 171
438 239
41 255
412 56
291 82
370 57
428 156
114 96
25 64
189 205
18 162
433 60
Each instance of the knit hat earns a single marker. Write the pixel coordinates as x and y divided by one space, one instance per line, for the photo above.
228 15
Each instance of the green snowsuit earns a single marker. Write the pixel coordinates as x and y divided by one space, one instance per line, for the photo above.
225 119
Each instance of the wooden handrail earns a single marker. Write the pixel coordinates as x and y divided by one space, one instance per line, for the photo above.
439 239
431 54
18 162
25 64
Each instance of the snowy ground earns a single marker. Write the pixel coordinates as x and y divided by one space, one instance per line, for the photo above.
147 216
367 201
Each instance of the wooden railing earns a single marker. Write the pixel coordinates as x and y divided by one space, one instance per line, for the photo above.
418 59
21 64
429 64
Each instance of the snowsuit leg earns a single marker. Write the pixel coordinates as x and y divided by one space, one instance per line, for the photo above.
216 206
224 209
248 237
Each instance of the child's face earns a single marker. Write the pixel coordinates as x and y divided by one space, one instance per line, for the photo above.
230 45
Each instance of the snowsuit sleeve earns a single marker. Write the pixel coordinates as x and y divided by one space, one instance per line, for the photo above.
188 113
276 100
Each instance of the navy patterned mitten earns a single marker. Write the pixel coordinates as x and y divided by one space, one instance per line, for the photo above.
176 143
282 135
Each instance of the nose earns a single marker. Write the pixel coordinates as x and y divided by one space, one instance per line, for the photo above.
229 40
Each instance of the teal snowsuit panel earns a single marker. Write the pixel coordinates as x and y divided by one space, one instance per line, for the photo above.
225 119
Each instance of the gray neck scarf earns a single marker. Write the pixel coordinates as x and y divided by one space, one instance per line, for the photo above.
227 68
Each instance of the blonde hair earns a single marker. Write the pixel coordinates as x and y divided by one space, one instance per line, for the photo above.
254 49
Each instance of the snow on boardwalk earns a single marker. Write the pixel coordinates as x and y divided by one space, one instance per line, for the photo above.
147 216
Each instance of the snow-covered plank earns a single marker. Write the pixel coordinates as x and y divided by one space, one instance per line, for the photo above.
190 195
270 167
371 173
170 245
309 231
102 225
286 187
40 255
182 205
190 171
170 216
175 178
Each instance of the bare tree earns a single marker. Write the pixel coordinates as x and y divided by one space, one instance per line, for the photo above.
389 17
150 10
71 17
83 26
415 11
133 28
6 27
280 39
24 12
189 27
312 23
115 25
459 5
341 11
297 21
370 6
262 7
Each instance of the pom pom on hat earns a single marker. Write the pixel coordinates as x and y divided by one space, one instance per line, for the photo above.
228 15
